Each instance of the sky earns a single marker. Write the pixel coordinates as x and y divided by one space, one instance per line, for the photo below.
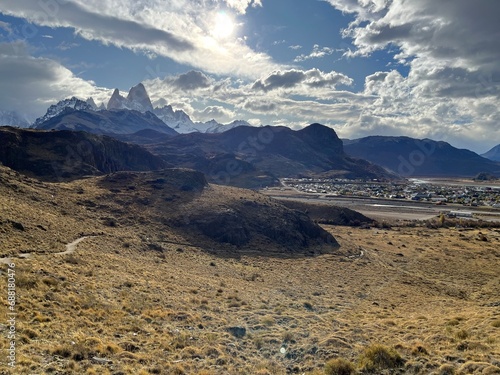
420 68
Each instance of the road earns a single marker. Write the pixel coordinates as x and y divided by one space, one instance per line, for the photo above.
380 209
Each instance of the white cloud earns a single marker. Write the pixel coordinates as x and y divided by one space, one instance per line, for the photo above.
221 113
180 30
6 27
452 49
242 5
316 53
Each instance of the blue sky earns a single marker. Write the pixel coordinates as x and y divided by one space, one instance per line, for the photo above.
364 67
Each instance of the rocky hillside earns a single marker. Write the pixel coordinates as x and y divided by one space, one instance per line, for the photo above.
65 155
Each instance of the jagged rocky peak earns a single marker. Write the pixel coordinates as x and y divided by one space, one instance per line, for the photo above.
139 96
116 101
56 109
137 99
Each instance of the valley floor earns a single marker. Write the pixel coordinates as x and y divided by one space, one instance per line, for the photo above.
111 307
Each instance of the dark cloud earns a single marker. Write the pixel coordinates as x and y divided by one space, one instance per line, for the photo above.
104 27
260 106
313 78
191 80
280 79
460 33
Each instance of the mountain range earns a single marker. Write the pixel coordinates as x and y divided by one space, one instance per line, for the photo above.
420 157
138 101
211 146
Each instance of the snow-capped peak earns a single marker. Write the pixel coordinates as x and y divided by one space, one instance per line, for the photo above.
177 120
56 109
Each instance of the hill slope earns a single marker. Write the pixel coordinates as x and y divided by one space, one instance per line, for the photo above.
493 154
161 205
62 155
420 157
138 296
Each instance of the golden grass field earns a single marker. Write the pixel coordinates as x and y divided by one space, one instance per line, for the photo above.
137 298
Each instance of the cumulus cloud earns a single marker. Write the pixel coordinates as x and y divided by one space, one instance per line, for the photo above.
452 49
316 53
32 84
242 5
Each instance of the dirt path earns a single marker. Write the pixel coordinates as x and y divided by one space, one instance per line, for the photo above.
70 249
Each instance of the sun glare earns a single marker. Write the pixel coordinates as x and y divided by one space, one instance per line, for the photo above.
223 25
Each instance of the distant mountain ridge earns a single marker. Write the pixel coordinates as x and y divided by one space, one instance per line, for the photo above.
493 154
266 153
420 157
137 99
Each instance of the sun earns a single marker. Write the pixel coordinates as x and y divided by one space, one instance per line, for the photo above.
223 26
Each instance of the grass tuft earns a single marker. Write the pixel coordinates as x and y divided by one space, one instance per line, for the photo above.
379 357
339 366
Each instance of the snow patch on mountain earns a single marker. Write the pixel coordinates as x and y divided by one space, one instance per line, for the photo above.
213 126
56 109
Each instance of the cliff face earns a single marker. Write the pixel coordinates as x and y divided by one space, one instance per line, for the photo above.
66 155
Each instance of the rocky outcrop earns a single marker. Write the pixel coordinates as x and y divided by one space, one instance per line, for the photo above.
240 221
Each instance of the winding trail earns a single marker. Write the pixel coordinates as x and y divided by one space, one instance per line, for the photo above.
70 249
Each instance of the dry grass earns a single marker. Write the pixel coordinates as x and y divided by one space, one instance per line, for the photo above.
140 310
